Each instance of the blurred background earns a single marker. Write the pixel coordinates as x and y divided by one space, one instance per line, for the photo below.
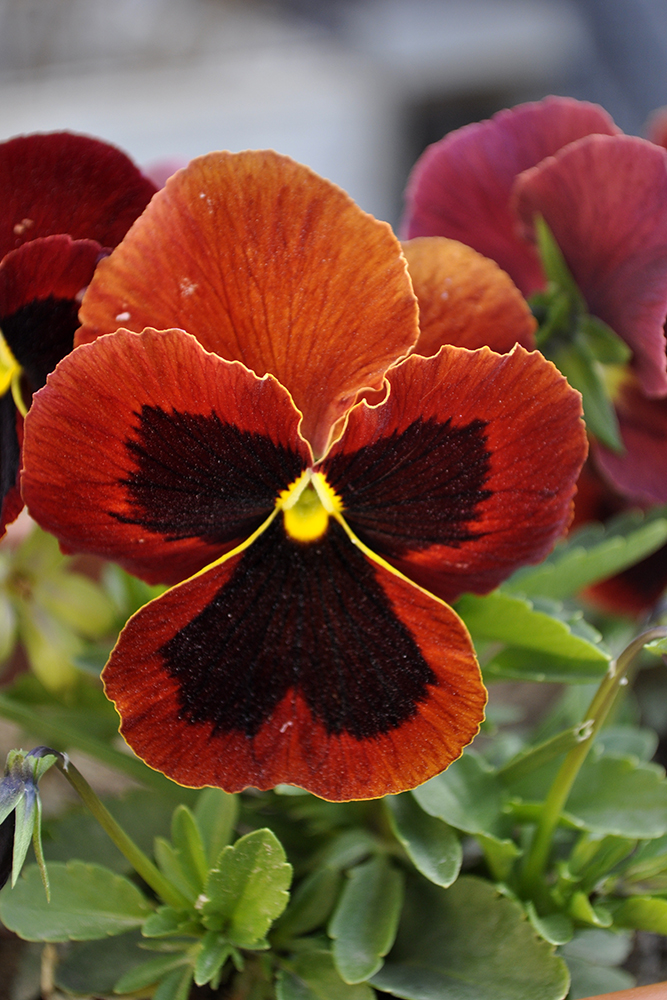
354 88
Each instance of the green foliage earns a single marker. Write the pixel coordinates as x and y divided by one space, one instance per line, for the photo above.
364 923
432 846
312 975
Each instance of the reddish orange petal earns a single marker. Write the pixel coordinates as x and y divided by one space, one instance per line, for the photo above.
299 663
265 263
465 299
166 458
467 471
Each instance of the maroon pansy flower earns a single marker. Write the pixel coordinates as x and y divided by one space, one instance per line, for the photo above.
66 198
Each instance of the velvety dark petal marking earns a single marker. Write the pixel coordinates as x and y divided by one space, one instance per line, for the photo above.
461 186
65 183
41 285
11 503
170 457
297 662
468 469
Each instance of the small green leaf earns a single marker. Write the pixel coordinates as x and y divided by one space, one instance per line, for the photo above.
468 796
556 928
432 845
165 922
189 847
532 758
364 923
87 902
644 913
8 626
170 864
620 796
584 912
247 889
593 553
25 814
500 856
553 261
312 975
527 665
583 373
148 973
605 345
76 601
216 813
213 954
590 956
92 968
311 904
175 985
468 943
500 617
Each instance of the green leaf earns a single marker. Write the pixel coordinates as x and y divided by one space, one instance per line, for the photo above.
500 856
216 813
588 979
533 758
432 845
175 985
170 864
469 943
189 847
644 913
311 904
93 967
553 261
364 923
148 973
584 912
25 815
620 796
593 553
213 954
590 956
165 922
468 796
605 345
556 928
312 975
87 902
583 373
7 627
76 601
500 617
247 889
526 665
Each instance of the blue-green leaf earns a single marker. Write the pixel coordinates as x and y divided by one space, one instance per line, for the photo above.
432 845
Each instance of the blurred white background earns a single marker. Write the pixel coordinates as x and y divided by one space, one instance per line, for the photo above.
354 88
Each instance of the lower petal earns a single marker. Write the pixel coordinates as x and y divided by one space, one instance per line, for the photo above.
301 663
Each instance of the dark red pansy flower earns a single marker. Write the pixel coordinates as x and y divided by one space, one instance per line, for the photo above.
300 527
603 195
66 198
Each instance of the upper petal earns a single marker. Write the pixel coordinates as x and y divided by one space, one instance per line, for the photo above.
64 183
149 451
605 199
465 299
467 471
301 663
461 186
268 264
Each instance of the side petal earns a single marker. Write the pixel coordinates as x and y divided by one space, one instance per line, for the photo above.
465 299
605 199
146 450
467 471
461 186
41 286
64 183
299 663
267 264
640 472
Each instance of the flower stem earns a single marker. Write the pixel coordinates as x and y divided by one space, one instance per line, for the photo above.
141 864
538 856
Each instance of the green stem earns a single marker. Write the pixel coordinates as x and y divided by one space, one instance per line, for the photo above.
538 856
141 864
61 735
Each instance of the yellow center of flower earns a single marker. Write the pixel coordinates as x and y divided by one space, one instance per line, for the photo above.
307 505
10 375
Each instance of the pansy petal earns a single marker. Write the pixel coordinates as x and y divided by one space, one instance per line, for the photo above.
300 663
149 451
605 199
65 183
465 299
268 264
461 186
11 503
639 473
41 285
467 471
